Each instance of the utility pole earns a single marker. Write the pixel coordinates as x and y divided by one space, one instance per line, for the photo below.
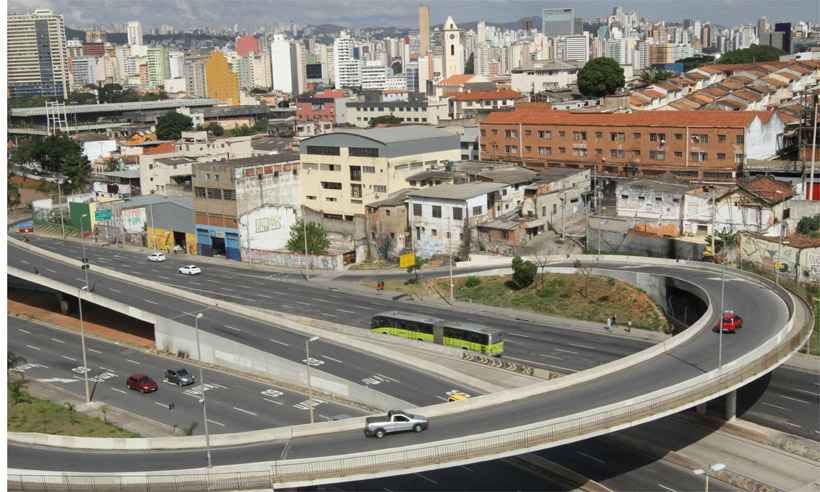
714 231
60 204
304 232
153 229
779 255
813 151
563 205
202 385
450 243
309 385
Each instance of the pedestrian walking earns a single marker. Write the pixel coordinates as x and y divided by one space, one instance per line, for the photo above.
609 323
614 322
628 326
171 406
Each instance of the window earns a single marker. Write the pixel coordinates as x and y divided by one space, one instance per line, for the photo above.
418 232
636 154
387 212
698 156
721 156
562 150
331 185
369 169
433 232
722 138
311 197
636 136
546 135
214 194
363 152
483 132
528 132
511 133
527 149
599 152
616 153
657 155
417 209
657 137
199 192
495 131
624 197
658 198
579 136
545 151
322 150
380 188
355 173
579 152
355 190
678 155
229 195
436 212
511 149
477 210
562 134
700 138
616 136
599 135
457 213
739 158
739 139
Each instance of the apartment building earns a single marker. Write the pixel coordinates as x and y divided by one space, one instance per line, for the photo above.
37 57
687 143
413 109
345 170
473 104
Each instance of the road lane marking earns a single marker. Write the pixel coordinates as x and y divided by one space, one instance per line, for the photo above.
441 398
265 296
562 368
57 340
95 351
25 262
593 458
388 378
328 315
114 290
426 478
216 423
793 425
72 359
24 331
667 488
794 399
812 393
80 280
303 303
331 358
33 347
273 401
118 390
247 412
346 311
163 405
232 328
149 301
280 343
566 351
132 361
50 270
551 356
775 406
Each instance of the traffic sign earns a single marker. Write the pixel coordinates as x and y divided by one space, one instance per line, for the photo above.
103 214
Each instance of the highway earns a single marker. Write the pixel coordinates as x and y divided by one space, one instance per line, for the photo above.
237 404
789 402
765 314
234 404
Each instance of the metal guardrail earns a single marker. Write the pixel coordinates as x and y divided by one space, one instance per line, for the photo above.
565 429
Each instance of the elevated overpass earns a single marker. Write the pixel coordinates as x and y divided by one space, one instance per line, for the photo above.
677 374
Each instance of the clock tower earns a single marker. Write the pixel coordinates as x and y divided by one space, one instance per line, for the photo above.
453 49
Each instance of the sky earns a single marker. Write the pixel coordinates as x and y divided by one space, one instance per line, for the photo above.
251 14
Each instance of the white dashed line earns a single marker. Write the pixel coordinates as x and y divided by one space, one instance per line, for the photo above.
280 343
57 340
667 488
346 311
132 361
551 356
331 358
95 351
593 458
303 303
149 301
793 399
273 401
216 423
50 270
72 359
775 406
25 262
561 368
793 425
426 478
118 390
24 331
265 296
247 412
114 290
33 347
566 351
232 328
163 405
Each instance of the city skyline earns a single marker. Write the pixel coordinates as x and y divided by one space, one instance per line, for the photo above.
366 13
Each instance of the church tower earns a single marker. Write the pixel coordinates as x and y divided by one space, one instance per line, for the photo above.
453 49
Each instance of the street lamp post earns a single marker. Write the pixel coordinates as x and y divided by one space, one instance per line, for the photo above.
82 340
59 206
310 387
202 385
82 242
304 232
715 468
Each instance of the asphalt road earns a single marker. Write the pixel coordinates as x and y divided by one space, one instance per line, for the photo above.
789 402
234 404
765 313
407 384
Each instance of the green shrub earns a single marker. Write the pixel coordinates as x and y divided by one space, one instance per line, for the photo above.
472 281
524 272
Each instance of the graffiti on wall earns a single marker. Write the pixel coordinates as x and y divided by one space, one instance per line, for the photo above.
133 220
267 228
288 260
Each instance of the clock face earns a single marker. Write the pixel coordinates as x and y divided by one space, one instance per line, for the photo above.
452 36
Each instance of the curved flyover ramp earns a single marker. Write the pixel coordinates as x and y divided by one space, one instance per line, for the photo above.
675 375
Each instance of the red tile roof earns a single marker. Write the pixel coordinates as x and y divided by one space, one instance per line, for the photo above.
456 80
652 93
787 75
775 81
486 95
704 119
768 189
747 95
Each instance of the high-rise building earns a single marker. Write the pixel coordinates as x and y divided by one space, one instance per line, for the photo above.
762 25
176 64
222 82
135 33
284 66
786 29
159 68
453 63
575 48
347 69
196 84
374 75
424 29
37 58
558 22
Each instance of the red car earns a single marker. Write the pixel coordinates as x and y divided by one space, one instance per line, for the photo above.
730 322
141 382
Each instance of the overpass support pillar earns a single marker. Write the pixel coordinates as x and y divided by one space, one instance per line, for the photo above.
731 405
701 409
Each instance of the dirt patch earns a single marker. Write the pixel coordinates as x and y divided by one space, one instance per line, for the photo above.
98 321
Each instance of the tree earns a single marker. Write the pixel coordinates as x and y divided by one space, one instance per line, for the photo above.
242 131
113 93
693 62
809 225
13 191
524 272
752 54
586 273
600 77
81 98
261 125
396 66
171 125
654 75
387 119
215 129
469 67
58 156
317 241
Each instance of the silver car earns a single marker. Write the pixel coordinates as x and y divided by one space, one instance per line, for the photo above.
180 377
394 421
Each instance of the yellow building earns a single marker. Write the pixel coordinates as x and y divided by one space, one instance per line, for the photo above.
222 82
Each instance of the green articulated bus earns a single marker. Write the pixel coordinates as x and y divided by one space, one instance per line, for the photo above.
469 336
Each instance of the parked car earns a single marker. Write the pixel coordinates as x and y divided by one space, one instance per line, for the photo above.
458 396
180 377
730 322
190 270
394 421
141 382
156 256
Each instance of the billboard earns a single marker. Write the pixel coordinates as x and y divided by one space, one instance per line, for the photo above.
133 220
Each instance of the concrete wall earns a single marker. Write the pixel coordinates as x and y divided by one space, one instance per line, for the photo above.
614 235
174 337
289 260
267 228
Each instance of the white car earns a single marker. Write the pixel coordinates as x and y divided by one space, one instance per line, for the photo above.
190 270
156 256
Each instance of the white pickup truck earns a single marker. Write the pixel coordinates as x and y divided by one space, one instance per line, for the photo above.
394 421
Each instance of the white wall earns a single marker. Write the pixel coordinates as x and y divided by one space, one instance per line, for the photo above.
95 150
761 139
421 228
267 228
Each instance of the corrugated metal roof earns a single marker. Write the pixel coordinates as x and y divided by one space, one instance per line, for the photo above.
403 133
457 191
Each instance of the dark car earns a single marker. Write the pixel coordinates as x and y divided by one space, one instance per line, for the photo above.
729 323
180 377
141 382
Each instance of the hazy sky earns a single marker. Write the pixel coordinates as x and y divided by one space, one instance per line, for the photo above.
250 14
